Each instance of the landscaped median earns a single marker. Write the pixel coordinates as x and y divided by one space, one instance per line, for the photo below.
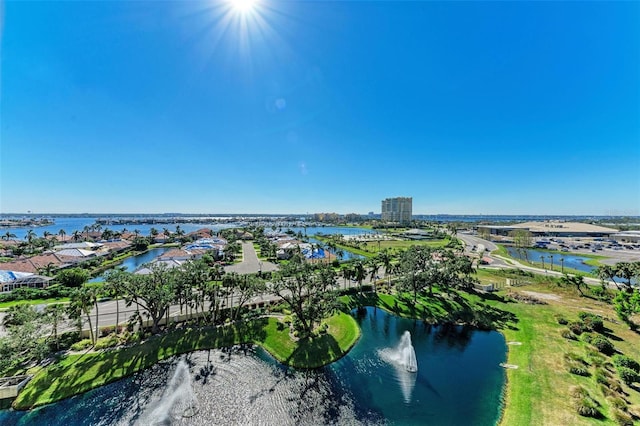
78 373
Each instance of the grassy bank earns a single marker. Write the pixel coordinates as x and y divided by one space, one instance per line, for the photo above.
539 390
77 373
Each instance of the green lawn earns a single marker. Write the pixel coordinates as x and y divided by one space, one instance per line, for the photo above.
78 373
6 305
404 244
538 392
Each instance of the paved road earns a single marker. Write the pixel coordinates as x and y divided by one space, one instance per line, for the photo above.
471 240
250 263
503 262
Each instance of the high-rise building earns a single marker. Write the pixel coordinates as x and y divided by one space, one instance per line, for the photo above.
397 209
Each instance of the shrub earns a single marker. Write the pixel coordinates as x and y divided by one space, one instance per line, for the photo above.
617 402
105 331
576 327
603 344
615 385
599 292
591 321
595 358
107 342
601 377
128 337
578 370
578 391
627 375
568 334
572 356
586 337
561 320
622 418
606 391
625 361
587 407
81 345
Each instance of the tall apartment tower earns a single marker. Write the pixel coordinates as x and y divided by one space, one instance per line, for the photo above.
397 209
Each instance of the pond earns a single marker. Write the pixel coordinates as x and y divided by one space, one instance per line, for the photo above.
134 262
346 254
570 260
458 381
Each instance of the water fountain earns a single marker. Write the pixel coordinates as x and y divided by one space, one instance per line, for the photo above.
403 359
403 355
178 399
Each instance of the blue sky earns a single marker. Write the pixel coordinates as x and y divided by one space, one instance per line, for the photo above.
310 106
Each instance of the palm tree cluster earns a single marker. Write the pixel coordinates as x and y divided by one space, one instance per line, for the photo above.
423 267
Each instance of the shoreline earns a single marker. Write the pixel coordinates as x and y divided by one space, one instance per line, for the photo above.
185 340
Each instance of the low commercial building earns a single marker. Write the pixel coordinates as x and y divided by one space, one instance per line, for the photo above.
627 237
550 229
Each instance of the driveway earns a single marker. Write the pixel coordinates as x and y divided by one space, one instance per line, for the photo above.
250 263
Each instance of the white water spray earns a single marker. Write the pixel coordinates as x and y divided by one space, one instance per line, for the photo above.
403 359
178 399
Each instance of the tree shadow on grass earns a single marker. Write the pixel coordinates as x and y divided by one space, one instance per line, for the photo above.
314 352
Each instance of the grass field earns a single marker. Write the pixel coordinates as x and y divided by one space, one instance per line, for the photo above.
6 305
539 391
372 246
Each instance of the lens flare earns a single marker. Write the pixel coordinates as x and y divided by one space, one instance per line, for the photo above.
243 6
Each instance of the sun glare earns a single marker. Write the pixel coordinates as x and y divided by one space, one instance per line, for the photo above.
243 6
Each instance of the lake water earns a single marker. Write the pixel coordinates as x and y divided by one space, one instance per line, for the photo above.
570 260
458 382
134 262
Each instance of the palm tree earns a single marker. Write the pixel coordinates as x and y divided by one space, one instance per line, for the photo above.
179 231
48 269
86 230
30 236
359 273
76 235
551 260
562 265
107 234
385 259
82 302
346 274
542 258
374 267
62 233
113 287
54 313
8 235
